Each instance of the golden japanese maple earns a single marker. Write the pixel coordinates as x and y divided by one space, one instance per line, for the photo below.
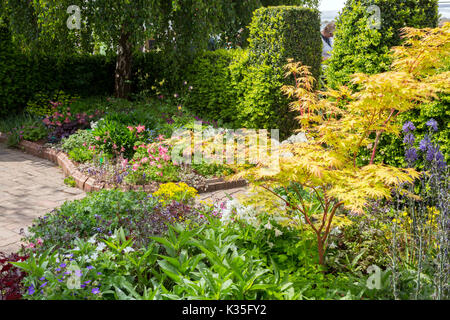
338 123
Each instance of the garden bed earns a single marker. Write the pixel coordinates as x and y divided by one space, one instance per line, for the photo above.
88 183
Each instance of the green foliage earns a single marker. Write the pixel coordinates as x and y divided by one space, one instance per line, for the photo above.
10 89
213 93
111 136
36 78
70 181
41 103
359 48
241 87
286 32
81 155
212 170
77 140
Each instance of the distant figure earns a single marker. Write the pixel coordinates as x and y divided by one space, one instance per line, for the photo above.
327 40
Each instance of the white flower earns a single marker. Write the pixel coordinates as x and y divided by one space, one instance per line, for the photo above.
268 226
128 249
278 233
101 246
270 244
92 239
332 245
94 256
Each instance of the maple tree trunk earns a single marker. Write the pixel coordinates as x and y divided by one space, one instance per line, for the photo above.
122 83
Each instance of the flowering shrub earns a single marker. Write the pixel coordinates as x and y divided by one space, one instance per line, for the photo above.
180 192
115 138
63 123
33 131
152 163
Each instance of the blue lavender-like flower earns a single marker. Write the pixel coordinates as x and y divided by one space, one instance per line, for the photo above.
408 126
411 155
432 124
425 143
409 139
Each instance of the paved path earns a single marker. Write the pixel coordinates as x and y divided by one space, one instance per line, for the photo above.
221 195
29 187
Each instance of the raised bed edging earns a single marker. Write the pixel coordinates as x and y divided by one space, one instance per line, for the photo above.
88 184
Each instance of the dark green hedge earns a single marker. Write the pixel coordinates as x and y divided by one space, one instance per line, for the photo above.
242 87
279 33
213 94
358 48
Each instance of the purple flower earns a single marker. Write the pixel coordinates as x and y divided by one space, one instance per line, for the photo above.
411 155
89 267
408 126
409 139
78 273
31 290
95 290
63 265
425 143
43 285
99 273
87 282
432 124
42 279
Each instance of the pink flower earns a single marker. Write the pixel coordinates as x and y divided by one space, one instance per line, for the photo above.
84 144
130 128
58 123
67 120
30 245
140 128
97 138
160 137
152 163
159 166
160 174
46 121
134 148
144 160
135 166
91 116
122 149
166 157
104 140
39 241
124 163
114 146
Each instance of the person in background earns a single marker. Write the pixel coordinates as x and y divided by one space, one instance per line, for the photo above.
327 40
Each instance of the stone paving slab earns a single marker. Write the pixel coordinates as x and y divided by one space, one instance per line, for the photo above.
29 187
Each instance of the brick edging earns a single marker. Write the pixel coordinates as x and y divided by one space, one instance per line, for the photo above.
89 184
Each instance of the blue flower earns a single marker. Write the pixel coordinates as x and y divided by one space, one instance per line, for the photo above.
432 124
89 267
411 155
95 290
43 285
409 139
408 126
31 290
63 265
425 143
42 279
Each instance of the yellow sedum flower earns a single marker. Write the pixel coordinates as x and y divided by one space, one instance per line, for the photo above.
181 192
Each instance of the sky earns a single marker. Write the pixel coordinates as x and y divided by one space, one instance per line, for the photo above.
334 5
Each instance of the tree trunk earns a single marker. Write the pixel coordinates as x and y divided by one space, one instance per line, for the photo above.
123 67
